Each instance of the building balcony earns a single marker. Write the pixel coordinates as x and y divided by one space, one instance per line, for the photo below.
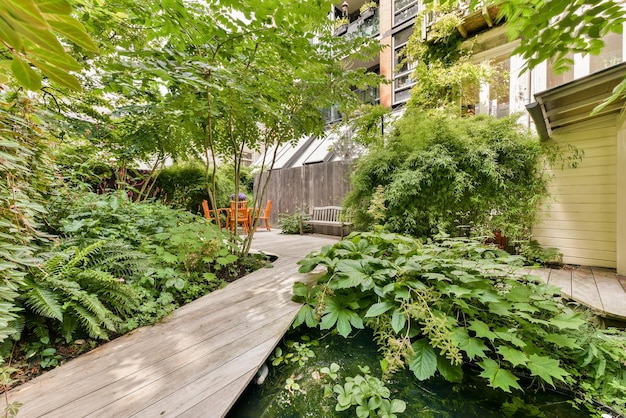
368 26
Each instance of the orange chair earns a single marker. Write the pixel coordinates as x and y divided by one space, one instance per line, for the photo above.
265 215
209 214
240 216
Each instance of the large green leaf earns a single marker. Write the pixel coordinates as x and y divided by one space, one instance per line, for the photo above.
379 308
450 372
423 363
562 341
473 347
26 11
498 377
546 368
55 6
513 356
72 29
398 320
25 75
481 329
570 320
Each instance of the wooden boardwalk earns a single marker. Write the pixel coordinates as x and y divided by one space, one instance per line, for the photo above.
201 358
595 287
194 364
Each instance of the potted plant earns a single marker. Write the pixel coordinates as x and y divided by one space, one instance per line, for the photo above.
341 25
367 9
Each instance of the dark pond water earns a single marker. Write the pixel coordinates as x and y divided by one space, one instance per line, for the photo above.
433 398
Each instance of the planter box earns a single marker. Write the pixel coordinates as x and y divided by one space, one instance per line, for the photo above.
367 13
340 30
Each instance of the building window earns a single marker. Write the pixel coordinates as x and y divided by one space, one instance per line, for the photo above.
499 89
404 10
402 81
611 53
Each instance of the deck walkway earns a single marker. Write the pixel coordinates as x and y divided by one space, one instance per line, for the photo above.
596 287
198 361
194 364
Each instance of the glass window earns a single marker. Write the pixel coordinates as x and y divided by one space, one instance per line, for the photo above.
404 10
499 90
402 96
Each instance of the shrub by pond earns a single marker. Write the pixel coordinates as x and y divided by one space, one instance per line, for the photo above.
456 310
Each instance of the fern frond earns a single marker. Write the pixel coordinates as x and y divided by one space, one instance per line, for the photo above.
69 328
121 259
42 301
89 322
91 303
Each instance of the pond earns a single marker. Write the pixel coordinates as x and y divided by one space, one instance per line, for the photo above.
296 387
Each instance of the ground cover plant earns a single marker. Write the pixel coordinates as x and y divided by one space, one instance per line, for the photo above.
436 308
111 265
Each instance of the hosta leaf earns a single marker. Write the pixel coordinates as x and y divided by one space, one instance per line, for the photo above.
546 368
513 356
562 341
424 362
498 377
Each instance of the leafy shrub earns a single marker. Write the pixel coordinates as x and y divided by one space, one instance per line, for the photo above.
435 307
290 224
439 173
535 253
182 185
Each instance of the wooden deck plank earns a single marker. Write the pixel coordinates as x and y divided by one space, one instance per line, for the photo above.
561 279
202 342
584 289
611 292
542 273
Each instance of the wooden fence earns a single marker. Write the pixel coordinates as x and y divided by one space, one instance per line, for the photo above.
299 189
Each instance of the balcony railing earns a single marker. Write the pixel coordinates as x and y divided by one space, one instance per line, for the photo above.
364 27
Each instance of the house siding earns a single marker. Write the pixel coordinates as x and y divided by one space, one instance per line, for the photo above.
580 218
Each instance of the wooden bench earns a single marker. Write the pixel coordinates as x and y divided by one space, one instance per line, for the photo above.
327 216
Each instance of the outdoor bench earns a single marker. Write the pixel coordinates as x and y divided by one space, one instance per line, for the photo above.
328 216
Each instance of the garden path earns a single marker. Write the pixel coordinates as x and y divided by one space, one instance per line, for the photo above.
596 287
199 360
195 363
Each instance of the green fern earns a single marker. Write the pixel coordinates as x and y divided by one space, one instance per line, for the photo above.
43 301
95 299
